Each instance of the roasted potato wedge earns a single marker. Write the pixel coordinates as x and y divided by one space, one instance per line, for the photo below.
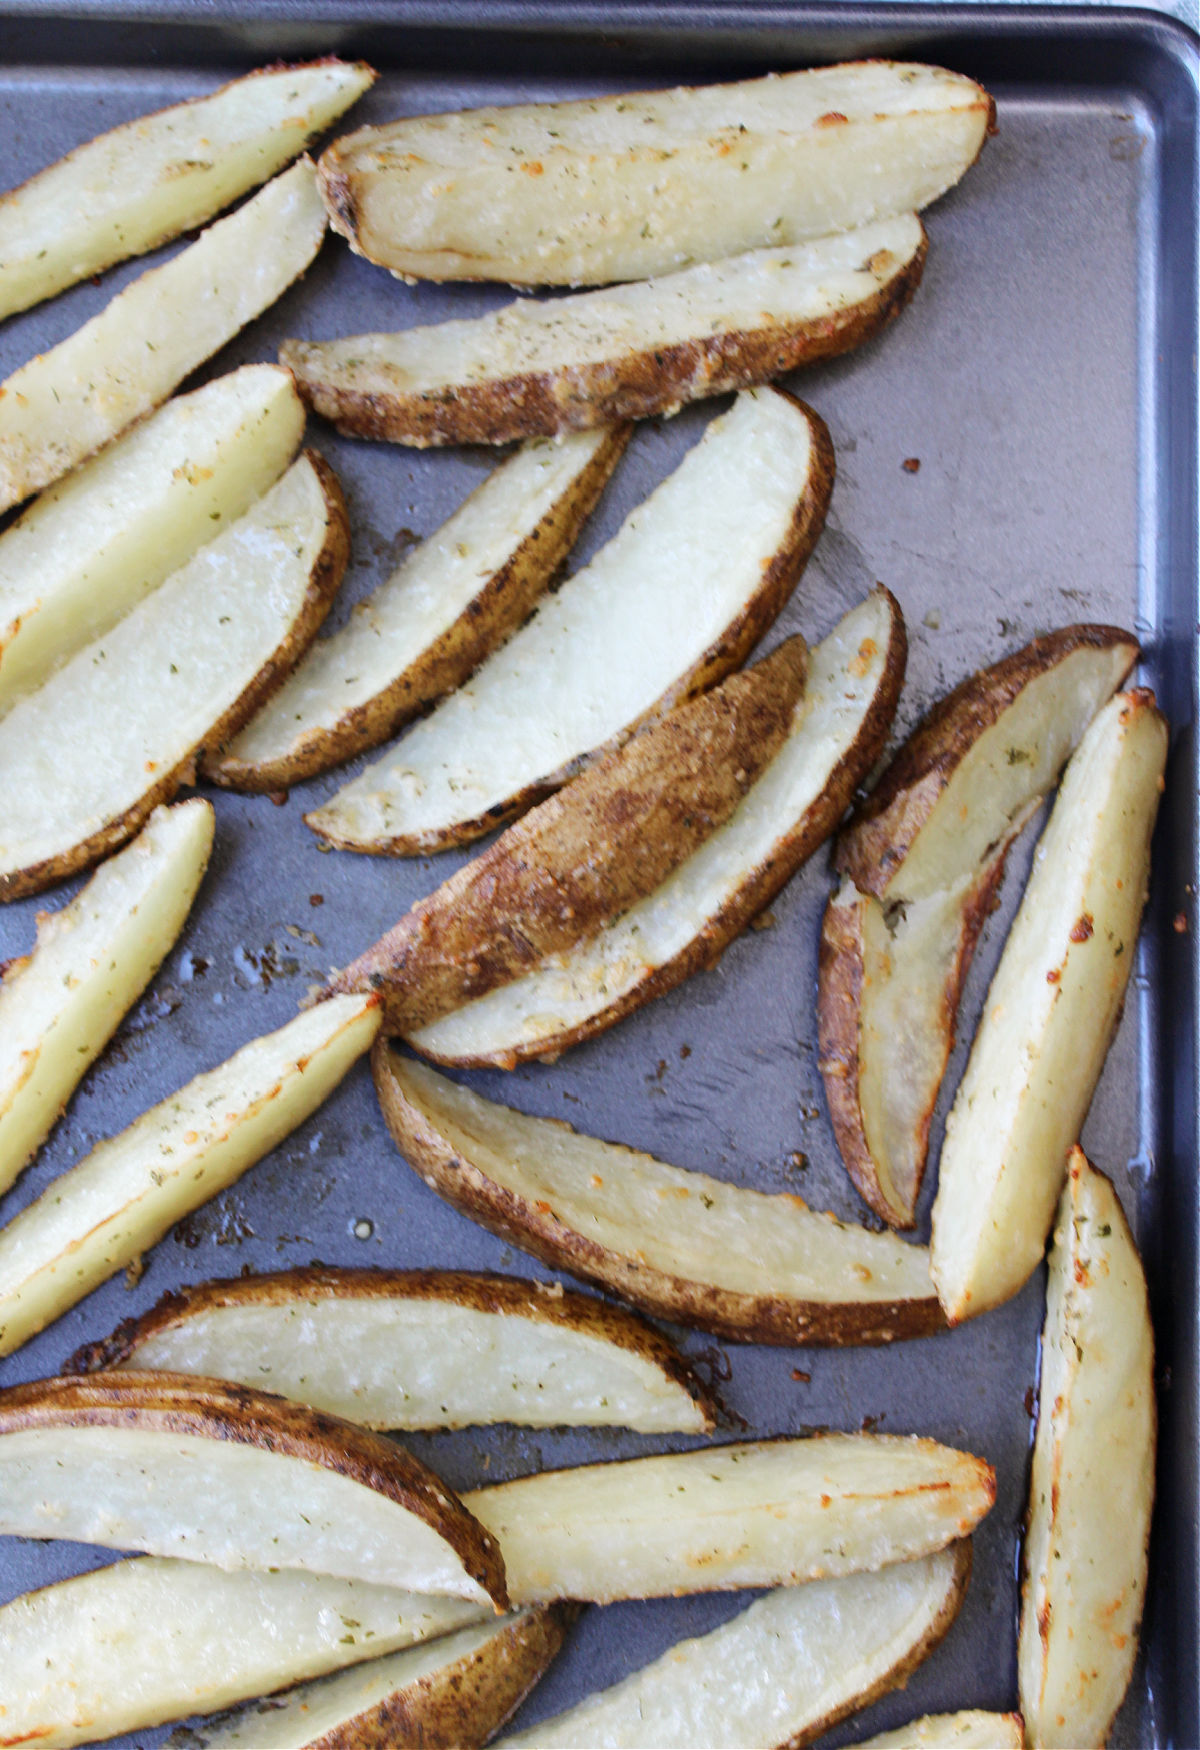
1049 1014
1091 1489
921 861
64 404
538 368
753 1267
571 866
622 188
117 1202
969 1730
673 603
116 731
420 1349
836 733
61 1004
452 602
782 1672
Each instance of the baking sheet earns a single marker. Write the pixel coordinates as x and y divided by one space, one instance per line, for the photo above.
1041 379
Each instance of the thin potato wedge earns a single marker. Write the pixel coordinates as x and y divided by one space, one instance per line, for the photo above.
752 1267
628 353
61 1004
455 598
969 1730
1049 1014
1091 1490
103 1213
116 731
673 603
419 1349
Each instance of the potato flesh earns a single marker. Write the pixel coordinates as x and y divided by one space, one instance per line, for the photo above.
128 708
121 1199
1092 1483
569 989
139 185
768 1514
1049 1014
608 647
66 403
970 1730
92 547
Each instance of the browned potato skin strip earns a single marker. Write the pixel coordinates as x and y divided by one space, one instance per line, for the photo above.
483 1291
588 853
215 1409
635 386
739 1318
502 604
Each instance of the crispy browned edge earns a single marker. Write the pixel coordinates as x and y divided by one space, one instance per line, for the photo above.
762 884
534 1227
500 606
215 1409
779 576
483 1291
579 859
635 385
324 578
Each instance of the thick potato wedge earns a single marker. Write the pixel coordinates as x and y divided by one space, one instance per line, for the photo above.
922 859
970 1730
538 368
673 603
61 1004
234 1477
753 1267
782 1672
103 1213
1091 1490
420 1349
116 731
91 547
836 734
1049 1014
127 191
621 188
142 1642
571 866
455 598
66 403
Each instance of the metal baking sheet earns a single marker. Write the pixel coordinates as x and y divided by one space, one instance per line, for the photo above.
1044 378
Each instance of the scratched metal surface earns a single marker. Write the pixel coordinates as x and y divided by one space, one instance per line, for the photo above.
1024 380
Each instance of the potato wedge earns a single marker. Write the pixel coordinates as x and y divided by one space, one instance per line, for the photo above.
1049 1014
922 859
119 1200
538 368
750 1266
779 1674
91 547
66 403
129 190
622 188
673 603
571 866
1091 1490
837 733
450 1694
143 1642
970 1730
61 1004
234 1477
420 1349
116 731
455 598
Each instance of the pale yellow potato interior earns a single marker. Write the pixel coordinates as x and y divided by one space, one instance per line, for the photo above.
969 1730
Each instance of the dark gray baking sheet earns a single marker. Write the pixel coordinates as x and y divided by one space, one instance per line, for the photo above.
1044 377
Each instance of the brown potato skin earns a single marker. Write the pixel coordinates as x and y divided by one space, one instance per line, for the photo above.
504 601
586 854
637 385
215 1409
